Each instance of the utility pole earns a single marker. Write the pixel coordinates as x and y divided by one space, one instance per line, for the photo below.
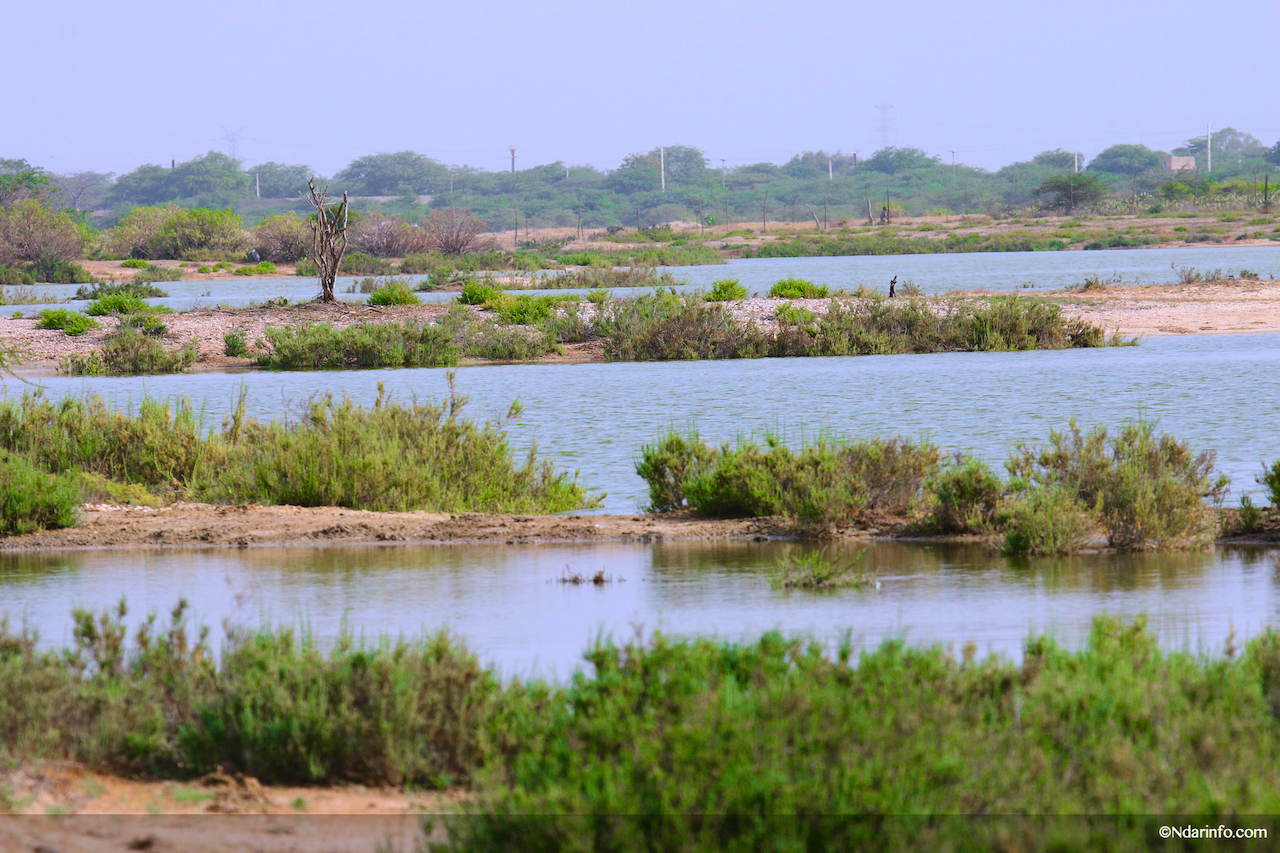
451 180
662 165
953 163
513 158
721 173
855 158
257 185
766 211
830 174
1075 161
1208 147
884 123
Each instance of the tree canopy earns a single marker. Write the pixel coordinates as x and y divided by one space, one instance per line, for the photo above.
893 160
398 174
1125 160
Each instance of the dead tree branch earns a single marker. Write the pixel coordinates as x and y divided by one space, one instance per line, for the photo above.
329 238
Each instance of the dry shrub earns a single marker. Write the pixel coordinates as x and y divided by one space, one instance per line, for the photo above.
31 232
384 236
283 238
456 232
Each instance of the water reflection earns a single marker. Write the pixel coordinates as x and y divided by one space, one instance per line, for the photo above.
508 603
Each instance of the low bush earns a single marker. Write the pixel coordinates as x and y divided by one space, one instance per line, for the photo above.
477 293
1046 520
607 277
359 263
235 345
155 272
726 290
139 290
407 343
147 323
10 277
525 309
1146 490
392 292
966 496
664 326
824 482
69 322
60 272
116 303
798 288
389 457
260 268
130 351
815 571
32 499
1270 480
134 263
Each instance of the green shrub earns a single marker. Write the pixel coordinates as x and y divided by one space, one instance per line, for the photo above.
389 344
31 499
260 268
824 482
1146 491
235 345
966 496
815 571
157 447
392 292
155 272
140 290
359 263
387 458
726 290
135 263
130 352
116 303
665 326
147 323
1046 520
70 322
60 272
798 288
306 267
475 293
525 309
1270 480
10 277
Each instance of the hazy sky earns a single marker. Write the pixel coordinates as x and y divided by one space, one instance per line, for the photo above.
109 86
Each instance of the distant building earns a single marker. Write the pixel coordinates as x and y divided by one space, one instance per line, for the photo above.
1177 164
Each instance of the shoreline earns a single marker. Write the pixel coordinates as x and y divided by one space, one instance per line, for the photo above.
1241 306
195 525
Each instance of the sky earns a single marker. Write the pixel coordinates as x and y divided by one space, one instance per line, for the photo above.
108 87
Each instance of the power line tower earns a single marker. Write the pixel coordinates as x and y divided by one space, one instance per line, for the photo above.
233 139
884 123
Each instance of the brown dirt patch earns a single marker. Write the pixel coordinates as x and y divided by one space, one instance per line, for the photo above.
200 525
1220 307
68 809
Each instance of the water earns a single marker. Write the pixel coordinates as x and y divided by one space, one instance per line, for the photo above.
507 604
1218 392
997 271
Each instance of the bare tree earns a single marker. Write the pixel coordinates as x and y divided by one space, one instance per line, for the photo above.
383 236
77 185
456 232
329 238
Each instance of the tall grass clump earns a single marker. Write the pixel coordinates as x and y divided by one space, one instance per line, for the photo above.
392 292
1145 490
131 351
32 499
595 277
798 288
665 326
141 290
966 496
814 571
823 482
407 343
386 458
158 447
157 700
726 290
650 748
68 322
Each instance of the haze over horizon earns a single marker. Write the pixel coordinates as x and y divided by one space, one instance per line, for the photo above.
94 87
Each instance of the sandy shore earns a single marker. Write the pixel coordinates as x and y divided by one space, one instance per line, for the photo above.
1220 307
199 525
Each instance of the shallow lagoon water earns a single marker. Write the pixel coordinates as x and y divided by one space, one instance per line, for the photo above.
1219 392
940 273
507 603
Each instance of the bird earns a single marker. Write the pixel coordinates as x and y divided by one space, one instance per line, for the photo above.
892 283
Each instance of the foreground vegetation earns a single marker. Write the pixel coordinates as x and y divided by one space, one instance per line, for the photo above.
746 737
389 457
1138 489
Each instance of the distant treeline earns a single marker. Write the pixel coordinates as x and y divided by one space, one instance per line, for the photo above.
813 185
